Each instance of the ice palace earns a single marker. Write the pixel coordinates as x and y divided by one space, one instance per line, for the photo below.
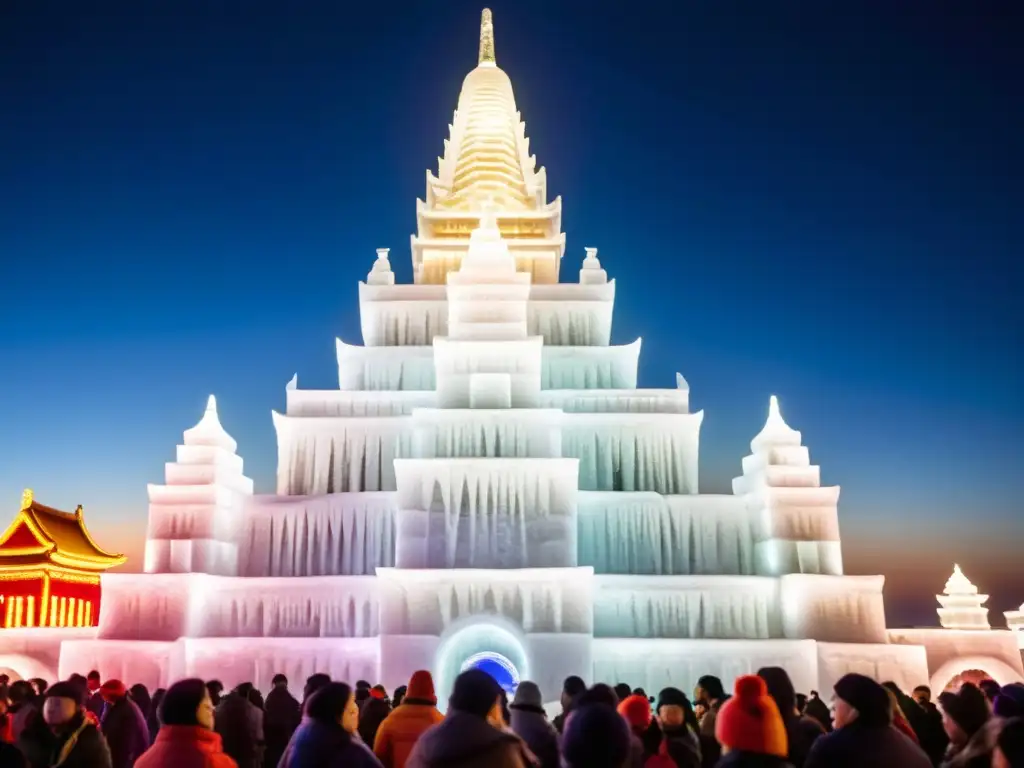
488 485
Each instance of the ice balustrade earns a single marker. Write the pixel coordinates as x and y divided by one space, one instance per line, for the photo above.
341 403
649 534
634 452
537 600
487 433
348 534
413 368
471 513
723 607
616 400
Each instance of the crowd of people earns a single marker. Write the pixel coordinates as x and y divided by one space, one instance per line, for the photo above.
764 723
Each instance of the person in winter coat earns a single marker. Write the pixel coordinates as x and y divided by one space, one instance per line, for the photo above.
64 736
964 716
899 719
469 736
11 757
401 730
22 708
1009 749
677 727
596 736
186 738
374 712
933 738
314 683
636 711
153 718
281 716
123 725
530 722
819 710
801 731
328 735
240 725
864 734
140 695
750 728
711 693
94 699
571 688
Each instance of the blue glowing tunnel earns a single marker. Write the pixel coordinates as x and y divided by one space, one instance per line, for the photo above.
498 667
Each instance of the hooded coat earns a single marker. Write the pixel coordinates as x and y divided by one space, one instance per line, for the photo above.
186 746
465 740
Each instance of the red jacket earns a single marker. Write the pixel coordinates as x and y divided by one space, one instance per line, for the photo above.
185 746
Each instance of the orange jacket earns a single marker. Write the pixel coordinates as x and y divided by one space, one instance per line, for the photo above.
401 729
185 746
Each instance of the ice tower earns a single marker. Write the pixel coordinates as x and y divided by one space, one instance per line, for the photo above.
487 484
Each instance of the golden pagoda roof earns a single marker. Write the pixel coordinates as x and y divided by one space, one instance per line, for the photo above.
42 534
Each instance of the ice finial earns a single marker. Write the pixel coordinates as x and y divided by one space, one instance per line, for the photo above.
486 39
775 431
209 430
26 498
293 383
380 273
591 272
958 584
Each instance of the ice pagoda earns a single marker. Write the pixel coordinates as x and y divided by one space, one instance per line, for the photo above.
488 483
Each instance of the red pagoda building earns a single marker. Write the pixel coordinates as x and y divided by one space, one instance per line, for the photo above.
50 569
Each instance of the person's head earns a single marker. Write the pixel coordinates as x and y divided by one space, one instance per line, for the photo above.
991 689
334 704
922 695
623 691
379 692
750 721
20 692
93 679
362 685
62 703
420 689
595 736
215 689
1009 750
571 688
801 702
5 680
80 681
528 697
140 695
314 683
858 697
780 688
709 690
674 710
279 681
187 702
39 685
399 695
1010 701
964 713
113 691
477 693
636 710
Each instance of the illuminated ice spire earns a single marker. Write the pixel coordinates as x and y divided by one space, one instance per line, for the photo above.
962 606
209 430
486 39
775 431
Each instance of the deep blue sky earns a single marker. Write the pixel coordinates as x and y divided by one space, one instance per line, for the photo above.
821 200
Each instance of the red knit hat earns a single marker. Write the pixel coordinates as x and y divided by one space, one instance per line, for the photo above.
421 686
112 690
750 720
378 692
637 711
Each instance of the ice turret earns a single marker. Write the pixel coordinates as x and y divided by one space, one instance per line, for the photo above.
381 273
591 272
1015 622
961 605
195 517
796 519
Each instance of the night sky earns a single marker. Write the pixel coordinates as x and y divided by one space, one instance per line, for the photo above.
813 199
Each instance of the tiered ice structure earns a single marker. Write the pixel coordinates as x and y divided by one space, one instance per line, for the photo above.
962 606
488 482
1015 623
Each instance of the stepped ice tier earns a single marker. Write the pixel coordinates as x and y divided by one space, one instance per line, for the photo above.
488 483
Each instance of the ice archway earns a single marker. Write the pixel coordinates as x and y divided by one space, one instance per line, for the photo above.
486 642
21 667
999 671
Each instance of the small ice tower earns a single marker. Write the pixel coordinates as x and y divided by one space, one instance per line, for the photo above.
961 605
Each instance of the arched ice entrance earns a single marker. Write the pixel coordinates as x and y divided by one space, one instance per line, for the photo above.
21 667
488 643
967 667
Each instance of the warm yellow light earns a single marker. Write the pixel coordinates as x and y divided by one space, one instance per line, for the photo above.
31 620
62 613
53 611
88 613
80 618
19 609
9 617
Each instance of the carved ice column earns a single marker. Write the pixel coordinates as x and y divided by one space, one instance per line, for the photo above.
961 605
796 521
195 518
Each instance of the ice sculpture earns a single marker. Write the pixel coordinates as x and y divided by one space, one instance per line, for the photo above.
488 484
1015 622
962 606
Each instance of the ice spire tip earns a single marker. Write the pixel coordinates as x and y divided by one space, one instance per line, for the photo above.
486 38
